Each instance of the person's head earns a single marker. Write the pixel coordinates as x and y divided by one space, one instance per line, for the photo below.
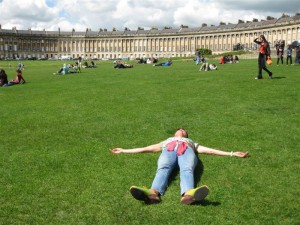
263 38
2 72
181 132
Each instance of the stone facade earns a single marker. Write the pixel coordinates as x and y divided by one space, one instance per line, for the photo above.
167 42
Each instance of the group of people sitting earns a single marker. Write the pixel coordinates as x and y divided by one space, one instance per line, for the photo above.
225 59
19 79
68 68
86 65
151 60
122 65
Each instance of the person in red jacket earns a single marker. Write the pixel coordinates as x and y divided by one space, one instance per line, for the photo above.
264 52
222 61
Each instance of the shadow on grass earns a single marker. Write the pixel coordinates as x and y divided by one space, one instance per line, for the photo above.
207 203
278 77
198 171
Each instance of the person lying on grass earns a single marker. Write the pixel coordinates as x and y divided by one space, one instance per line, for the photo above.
168 63
208 67
177 150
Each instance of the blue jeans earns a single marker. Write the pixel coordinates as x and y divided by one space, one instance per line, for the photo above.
167 161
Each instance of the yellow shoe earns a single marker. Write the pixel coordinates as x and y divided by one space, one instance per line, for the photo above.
144 194
195 195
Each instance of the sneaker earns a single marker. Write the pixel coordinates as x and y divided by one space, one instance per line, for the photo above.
270 75
144 194
258 78
195 195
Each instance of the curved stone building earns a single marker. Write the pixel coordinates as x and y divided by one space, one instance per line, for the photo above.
168 42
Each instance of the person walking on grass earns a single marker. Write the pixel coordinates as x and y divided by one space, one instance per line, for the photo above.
264 52
180 151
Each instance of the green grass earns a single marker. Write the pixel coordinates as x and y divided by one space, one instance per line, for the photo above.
57 131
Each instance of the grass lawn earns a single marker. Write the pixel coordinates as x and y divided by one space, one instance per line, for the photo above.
57 131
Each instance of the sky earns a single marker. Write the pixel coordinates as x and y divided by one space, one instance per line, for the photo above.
80 15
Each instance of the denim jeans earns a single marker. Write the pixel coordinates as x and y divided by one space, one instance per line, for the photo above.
167 161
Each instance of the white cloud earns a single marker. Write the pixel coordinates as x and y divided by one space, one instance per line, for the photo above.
95 14
194 13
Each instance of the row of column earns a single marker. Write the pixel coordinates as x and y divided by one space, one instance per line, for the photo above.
121 45
177 44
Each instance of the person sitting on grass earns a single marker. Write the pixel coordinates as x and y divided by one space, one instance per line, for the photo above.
222 60
142 61
208 66
85 65
93 65
20 77
74 68
180 151
12 82
168 63
236 59
63 70
3 78
121 65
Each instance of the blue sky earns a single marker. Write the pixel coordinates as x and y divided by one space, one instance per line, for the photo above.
109 14
51 3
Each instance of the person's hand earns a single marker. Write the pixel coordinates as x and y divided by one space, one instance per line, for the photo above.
117 150
240 154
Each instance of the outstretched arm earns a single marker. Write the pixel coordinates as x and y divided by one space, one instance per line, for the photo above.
211 151
150 148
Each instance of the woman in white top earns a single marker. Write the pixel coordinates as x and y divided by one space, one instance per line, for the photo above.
177 150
